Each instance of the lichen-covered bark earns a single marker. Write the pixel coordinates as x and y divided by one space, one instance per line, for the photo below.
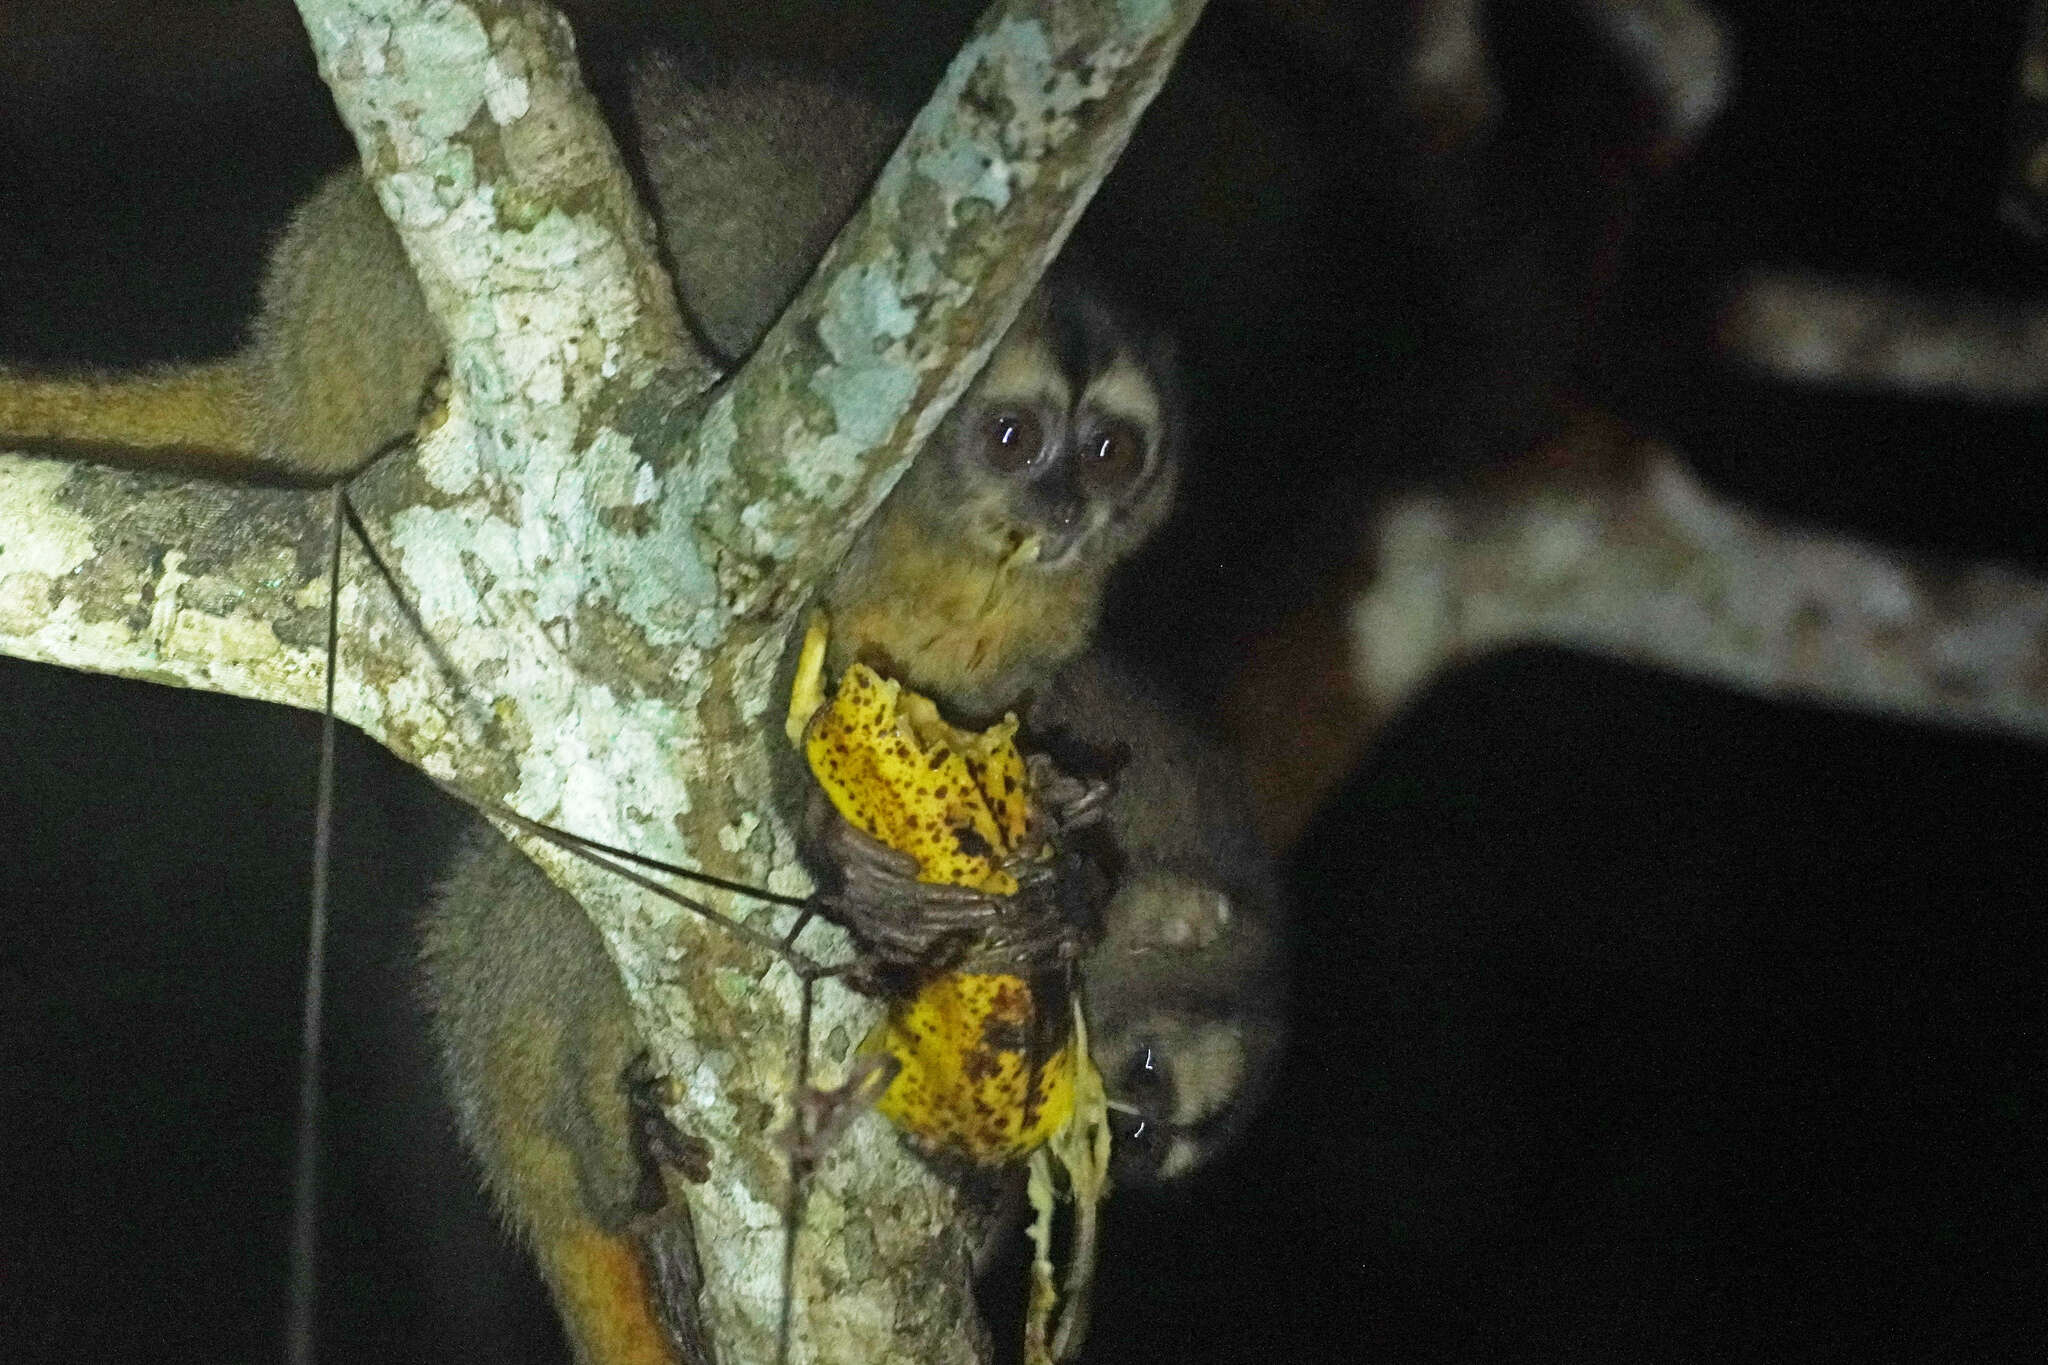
151 577
594 572
521 224
616 603
961 223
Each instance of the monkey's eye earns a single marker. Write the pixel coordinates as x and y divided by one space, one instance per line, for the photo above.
1140 1125
1011 440
1111 460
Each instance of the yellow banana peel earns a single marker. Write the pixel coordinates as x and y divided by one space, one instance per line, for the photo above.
988 1071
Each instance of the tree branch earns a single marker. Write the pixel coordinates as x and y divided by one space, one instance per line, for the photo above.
606 568
194 585
1635 561
1651 567
1679 52
960 225
535 256
1813 329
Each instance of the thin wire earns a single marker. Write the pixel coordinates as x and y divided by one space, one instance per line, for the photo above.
618 863
580 842
575 843
799 1180
305 1246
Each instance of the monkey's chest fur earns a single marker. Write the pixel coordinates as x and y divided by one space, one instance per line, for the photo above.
949 619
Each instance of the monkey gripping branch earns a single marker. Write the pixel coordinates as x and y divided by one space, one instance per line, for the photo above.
605 549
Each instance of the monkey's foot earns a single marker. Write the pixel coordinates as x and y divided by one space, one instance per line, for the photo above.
434 404
657 1143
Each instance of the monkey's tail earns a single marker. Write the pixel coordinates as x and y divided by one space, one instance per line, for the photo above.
198 418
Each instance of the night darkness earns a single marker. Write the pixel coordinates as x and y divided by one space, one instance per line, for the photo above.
1634 1019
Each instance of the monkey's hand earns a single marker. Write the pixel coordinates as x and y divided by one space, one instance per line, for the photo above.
657 1143
874 891
1065 802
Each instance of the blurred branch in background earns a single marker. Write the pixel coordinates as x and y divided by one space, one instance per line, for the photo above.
1676 51
1805 328
1680 55
1601 538
1606 543
1450 86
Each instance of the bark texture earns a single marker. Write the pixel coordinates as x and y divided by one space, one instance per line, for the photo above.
596 561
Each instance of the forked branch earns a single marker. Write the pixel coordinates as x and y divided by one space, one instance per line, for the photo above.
595 570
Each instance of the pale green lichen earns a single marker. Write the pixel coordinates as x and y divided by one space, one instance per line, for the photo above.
954 154
863 314
39 533
1143 18
25 601
222 639
424 195
507 93
428 72
866 403
450 467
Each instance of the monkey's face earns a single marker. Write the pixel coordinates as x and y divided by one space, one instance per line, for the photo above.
1184 996
1062 454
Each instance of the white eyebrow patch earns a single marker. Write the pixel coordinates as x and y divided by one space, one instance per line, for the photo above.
1023 371
1125 390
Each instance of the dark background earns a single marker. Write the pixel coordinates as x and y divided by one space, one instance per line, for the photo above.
1634 1018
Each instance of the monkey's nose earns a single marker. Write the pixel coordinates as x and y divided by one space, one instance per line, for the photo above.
1059 515
1057 500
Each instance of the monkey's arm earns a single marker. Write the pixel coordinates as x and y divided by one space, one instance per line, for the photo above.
199 417
339 358
1187 987
551 1089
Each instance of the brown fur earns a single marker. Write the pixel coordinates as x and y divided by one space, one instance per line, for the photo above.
342 348
741 254
339 357
1192 960
344 345
535 1036
752 174
202 418
954 622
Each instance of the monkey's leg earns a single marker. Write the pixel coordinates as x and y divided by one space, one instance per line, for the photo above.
554 1094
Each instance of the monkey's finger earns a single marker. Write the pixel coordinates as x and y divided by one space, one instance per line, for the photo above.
887 887
1074 802
677 1281
848 847
1088 805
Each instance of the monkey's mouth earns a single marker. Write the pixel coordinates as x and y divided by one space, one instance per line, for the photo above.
1019 549
1038 548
